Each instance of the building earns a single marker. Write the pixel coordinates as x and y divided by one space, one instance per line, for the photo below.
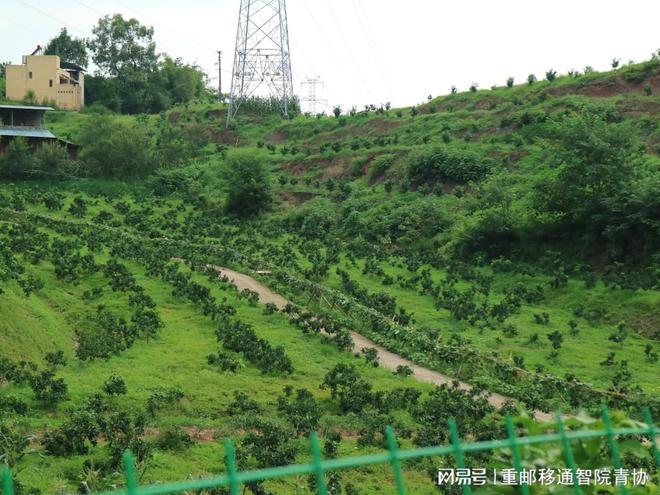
28 122
48 80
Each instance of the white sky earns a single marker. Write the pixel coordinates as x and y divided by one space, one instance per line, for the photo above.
374 51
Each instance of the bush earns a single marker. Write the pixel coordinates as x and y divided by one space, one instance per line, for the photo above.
442 164
18 160
114 149
248 183
380 165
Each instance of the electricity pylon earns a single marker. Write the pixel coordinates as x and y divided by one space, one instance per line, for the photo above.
312 98
262 61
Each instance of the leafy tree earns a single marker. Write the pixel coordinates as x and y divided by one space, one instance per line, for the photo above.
55 358
345 383
17 161
595 167
615 62
115 149
509 82
67 48
248 183
121 46
556 338
47 388
531 79
303 411
115 385
551 75
270 444
337 111
13 444
474 87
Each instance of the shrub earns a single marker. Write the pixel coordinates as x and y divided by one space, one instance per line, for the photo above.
114 149
248 184
51 160
380 165
441 164
115 385
17 161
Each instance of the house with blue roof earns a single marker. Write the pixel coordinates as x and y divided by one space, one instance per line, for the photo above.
27 122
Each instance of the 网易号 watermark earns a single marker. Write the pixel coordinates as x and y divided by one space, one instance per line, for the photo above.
542 476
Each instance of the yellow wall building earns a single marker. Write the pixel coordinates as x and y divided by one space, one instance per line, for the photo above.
49 80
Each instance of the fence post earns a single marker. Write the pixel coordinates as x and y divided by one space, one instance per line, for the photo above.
234 486
129 474
611 440
7 481
515 452
318 464
568 453
458 451
652 433
396 462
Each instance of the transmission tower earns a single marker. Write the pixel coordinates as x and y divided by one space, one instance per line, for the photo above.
262 61
312 98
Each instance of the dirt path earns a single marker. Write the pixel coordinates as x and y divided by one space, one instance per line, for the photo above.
386 358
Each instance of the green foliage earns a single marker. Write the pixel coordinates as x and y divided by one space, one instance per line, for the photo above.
248 184
380 165
17 161
115 385
444 164
69 49
120 46
115 149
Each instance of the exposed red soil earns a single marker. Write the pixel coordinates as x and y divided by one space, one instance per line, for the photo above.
611 86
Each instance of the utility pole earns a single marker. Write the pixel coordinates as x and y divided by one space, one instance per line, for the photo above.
312 99
262 59
220 75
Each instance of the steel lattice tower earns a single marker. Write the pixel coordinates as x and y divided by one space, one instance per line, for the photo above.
262 61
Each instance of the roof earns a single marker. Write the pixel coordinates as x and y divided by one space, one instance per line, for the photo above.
71 66
26 132
22 107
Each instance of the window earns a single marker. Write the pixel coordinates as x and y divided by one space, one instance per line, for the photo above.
30 76
50 83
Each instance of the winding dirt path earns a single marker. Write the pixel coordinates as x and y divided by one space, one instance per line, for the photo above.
386 359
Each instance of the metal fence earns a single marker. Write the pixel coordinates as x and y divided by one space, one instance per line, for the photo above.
457 449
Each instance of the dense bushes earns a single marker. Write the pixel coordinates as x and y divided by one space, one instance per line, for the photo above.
444 164
114 149
248 184
20 161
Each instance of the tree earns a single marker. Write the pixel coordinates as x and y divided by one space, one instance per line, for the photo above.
120 46
337 111
17 161
509 82
68 49
116 149
248 183
551 75
531 79
615 62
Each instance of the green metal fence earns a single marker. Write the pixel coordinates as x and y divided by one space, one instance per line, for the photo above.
318 467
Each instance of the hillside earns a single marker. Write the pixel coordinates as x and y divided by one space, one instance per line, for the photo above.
508 238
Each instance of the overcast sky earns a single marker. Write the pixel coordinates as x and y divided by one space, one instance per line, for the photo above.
374 51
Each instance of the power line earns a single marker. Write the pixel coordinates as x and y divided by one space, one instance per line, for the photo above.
363 20
59 21
346 44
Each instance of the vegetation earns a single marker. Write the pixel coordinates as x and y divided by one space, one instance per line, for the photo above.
506 238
